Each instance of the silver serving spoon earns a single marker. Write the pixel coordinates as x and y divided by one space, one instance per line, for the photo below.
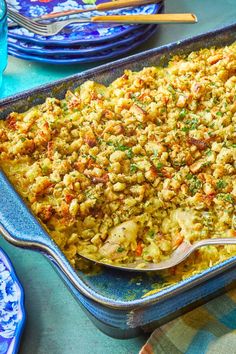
178 256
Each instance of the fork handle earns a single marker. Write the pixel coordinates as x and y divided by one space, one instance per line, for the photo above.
159 18
124 3
111 5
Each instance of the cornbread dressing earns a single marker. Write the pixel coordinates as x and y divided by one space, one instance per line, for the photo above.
129 171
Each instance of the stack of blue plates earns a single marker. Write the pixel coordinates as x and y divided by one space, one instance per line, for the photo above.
77 43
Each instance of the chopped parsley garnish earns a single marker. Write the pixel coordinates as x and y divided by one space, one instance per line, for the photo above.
190 125
221 184
99 139
208 152
125 148
23 139
45 169
179 163
183 113
159 165
122 147
189 176
185 129
155 153
172 90
193 123
92 157
137 101
229 198
226 197
64 106
205 164
89 195
120 249
219 114
133 168
194 184
129 153
151 233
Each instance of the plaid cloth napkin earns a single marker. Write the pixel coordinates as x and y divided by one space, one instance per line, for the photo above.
209 329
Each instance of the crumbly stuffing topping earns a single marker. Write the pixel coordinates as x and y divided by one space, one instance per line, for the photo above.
130 170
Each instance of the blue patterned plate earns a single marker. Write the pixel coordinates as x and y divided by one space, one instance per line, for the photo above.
81 50
76 33
12 313
65 60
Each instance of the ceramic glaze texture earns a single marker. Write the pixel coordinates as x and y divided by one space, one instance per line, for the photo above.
75 33
12 315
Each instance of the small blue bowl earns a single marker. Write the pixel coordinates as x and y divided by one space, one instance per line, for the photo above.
12 311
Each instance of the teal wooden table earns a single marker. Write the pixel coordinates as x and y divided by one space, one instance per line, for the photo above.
55 323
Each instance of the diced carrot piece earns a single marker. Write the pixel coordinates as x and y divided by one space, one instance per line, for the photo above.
139 249
233 232
178 240
68 198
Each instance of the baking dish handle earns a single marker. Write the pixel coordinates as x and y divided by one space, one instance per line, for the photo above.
19 227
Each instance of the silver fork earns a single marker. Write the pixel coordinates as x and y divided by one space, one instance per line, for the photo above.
42 29
178 256
51 29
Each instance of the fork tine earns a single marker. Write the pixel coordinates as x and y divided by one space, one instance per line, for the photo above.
42 33
39 28
30 26
17 14
27 21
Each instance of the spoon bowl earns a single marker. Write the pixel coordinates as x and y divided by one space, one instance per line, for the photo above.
178 256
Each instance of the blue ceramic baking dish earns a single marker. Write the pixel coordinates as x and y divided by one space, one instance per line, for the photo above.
113 299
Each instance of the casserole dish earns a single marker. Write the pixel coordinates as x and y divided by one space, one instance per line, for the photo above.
114 299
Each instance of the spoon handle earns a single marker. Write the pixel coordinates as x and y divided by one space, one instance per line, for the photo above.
111 5
124 3
158 18
215 241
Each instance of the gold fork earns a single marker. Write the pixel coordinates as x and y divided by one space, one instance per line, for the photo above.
51 29
111 5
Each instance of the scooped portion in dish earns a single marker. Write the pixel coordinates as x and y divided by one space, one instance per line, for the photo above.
129 171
